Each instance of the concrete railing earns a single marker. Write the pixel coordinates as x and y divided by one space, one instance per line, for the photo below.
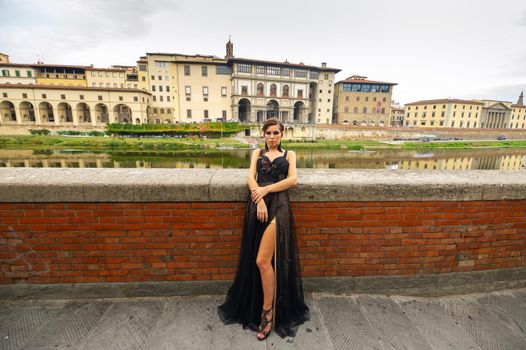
178 230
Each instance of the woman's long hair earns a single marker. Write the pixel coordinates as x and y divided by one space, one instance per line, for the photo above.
270 122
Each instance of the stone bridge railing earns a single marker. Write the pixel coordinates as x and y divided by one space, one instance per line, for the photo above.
178 230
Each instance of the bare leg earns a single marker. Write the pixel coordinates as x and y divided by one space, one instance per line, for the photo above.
263 260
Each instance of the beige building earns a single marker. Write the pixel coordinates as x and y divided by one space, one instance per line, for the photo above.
113 77
69 105
186 88
362 102
447 113
294 93
518 114
396 116
495 114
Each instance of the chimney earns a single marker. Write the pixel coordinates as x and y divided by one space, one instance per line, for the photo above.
324 65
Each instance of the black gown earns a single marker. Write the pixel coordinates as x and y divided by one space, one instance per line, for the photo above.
244 299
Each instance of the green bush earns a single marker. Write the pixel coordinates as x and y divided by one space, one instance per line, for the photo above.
39 131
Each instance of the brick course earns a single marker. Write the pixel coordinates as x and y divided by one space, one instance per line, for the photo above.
135 242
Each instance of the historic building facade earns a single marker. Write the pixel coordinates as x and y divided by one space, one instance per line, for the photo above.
447 113
294 93
518 114
396 118
362 102
495 114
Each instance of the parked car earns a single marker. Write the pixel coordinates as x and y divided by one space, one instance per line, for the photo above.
502 137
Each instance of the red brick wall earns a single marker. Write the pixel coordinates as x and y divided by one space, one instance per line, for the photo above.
125 242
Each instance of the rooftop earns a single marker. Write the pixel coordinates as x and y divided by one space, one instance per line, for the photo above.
445 101
363 79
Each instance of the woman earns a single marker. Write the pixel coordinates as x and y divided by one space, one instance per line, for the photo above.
267 290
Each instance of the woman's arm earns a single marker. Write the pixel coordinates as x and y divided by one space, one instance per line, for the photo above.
252 183
292 179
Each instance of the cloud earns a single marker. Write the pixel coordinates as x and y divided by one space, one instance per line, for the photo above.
58 27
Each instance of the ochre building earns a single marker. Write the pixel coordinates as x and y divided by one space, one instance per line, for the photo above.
362 102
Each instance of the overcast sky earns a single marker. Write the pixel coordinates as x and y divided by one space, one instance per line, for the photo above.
432 49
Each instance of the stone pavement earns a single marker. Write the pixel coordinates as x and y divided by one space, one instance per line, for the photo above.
494 320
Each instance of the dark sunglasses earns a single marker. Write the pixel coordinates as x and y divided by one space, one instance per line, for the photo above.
275 133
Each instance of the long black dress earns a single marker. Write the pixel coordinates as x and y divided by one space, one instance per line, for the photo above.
244 299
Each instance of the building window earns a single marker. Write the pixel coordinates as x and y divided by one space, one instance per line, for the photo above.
260 88
300 73
206 113
300 93
5 94
383 110
224 115
204 71
154 98
100 98
244 68
272 70
24 95
135 98
81 97
17 73
260 69
153 77
5 72
205 90
364 110
63 97
189 113
168 98
160 88
285 72
285 91
224 70
161 111
121 98
186 70
355 110
188 90
29 74
160 98
43 96
223 91
244 90
314 74
273 90
167 88
326 76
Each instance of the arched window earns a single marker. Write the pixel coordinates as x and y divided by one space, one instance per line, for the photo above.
364 110
273 90
162 110
285 91
260 89
355 110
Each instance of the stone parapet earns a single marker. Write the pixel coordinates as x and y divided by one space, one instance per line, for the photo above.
189 185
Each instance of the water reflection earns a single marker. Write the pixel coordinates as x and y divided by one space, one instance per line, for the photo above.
486 159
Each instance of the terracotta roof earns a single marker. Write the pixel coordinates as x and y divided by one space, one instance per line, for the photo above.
445 100
518 106
286 64
62 87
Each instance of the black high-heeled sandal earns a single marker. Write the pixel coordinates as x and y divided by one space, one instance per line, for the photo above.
264 323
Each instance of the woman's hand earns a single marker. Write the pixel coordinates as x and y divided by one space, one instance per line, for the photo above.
258 193
262 212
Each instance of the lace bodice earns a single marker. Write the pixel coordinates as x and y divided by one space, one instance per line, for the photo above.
271 171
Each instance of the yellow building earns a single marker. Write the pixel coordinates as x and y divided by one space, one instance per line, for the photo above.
518 114
446 113
70 105
186 88
362 102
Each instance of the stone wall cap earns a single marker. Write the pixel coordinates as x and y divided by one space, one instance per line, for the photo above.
183 185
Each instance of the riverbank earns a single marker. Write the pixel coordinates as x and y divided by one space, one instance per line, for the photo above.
115 143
